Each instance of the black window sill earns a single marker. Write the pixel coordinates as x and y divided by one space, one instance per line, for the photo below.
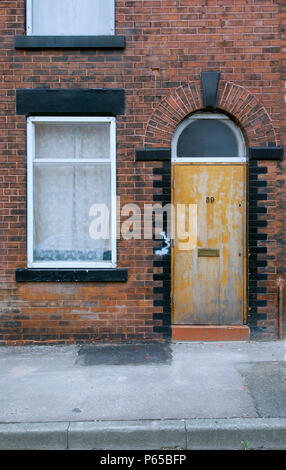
71 275
69 42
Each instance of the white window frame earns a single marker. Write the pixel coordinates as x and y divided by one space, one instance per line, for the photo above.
30 189
222 117
29 19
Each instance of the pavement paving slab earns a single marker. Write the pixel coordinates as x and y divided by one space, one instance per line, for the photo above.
266 382
183 384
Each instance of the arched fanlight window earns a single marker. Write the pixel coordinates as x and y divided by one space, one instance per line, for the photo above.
208 137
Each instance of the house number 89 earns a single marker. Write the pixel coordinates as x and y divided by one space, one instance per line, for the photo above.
210 199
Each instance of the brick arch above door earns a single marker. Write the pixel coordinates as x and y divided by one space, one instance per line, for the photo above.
235 100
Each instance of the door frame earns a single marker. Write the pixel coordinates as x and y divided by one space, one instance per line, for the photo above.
245 218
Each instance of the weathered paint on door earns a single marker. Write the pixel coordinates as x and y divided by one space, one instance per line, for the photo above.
208 283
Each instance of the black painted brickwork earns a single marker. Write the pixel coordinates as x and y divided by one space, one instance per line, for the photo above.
164 262
257 251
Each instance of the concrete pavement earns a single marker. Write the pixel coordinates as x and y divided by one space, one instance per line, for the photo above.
176 395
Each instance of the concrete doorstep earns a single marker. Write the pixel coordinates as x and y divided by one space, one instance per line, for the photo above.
185 434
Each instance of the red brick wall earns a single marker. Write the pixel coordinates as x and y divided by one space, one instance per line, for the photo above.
281 173
168 44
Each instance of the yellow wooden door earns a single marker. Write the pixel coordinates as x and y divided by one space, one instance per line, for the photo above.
208 264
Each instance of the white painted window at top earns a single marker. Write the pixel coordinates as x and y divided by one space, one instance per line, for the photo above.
70 17
208 137
71 188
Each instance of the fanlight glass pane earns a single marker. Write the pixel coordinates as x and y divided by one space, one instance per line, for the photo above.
72 17
72 140
63 198
207 138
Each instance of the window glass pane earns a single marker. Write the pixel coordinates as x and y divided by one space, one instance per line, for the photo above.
63 197
94 140
72 140
72 17
207 138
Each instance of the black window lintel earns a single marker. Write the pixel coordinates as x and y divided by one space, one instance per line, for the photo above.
54 101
